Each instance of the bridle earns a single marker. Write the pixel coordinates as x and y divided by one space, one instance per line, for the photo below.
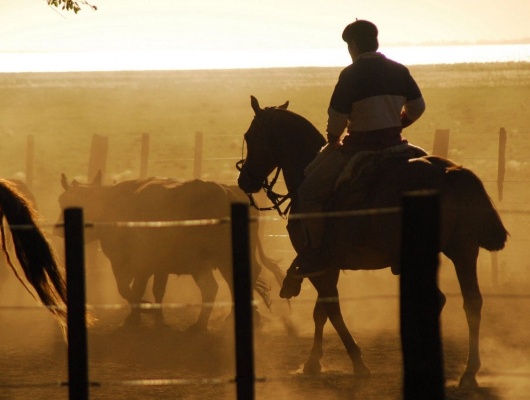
277 199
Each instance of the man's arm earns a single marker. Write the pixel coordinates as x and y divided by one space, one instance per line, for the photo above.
412 110
337 122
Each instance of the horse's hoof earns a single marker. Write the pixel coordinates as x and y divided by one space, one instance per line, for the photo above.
468 381
312 368
291 287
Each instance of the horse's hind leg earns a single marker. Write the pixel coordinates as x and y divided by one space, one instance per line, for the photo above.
466 270
328 296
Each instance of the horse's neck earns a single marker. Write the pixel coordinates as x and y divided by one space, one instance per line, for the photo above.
293 174
301 143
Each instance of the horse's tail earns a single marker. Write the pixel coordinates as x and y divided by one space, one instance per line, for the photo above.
261 286
35 255
479 207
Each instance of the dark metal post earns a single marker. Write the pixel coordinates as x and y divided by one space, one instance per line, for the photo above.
75 284
242 301
420 300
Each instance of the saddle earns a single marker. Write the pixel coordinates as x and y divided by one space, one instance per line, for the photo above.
364 170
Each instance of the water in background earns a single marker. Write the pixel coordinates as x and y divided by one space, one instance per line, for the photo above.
412 55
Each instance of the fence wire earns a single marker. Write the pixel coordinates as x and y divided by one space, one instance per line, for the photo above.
157 306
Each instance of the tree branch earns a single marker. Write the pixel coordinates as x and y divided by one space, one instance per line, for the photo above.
71 5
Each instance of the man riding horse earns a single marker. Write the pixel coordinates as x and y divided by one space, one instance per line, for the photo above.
374 98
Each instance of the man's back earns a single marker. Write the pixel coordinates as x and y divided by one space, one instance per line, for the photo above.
373 90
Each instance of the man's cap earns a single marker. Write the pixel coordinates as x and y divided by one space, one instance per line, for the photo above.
359 29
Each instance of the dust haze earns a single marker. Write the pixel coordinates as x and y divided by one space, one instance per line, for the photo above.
63 111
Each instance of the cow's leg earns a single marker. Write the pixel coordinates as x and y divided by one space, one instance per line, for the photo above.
123 283
208 287
227 274
159 290
137 291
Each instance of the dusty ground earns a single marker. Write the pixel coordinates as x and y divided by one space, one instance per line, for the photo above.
33 358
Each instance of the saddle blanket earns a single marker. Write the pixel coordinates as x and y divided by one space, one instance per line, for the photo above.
362 162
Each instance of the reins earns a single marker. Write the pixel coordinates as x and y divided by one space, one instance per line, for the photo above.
276 198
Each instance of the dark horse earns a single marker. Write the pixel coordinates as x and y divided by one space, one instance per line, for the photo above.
137 253
35 255
278 138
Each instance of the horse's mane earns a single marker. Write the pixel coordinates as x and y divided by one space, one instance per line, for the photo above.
301 131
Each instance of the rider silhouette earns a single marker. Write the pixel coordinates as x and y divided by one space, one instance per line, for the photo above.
374 99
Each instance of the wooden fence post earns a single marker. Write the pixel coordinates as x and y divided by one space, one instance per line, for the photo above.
144 158
98 156
197 167
441 143
419 297
76 315
30 159
242 301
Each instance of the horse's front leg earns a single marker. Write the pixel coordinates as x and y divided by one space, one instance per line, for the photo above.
326 285
320 316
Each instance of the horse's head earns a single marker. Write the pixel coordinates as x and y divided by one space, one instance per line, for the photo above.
277 138
261 152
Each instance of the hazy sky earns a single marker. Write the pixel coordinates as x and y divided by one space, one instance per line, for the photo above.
214 25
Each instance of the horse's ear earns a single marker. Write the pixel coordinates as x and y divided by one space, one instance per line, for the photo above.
255 105
284 105
98 179
64 182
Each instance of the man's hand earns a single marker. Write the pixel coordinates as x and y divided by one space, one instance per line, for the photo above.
405 121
